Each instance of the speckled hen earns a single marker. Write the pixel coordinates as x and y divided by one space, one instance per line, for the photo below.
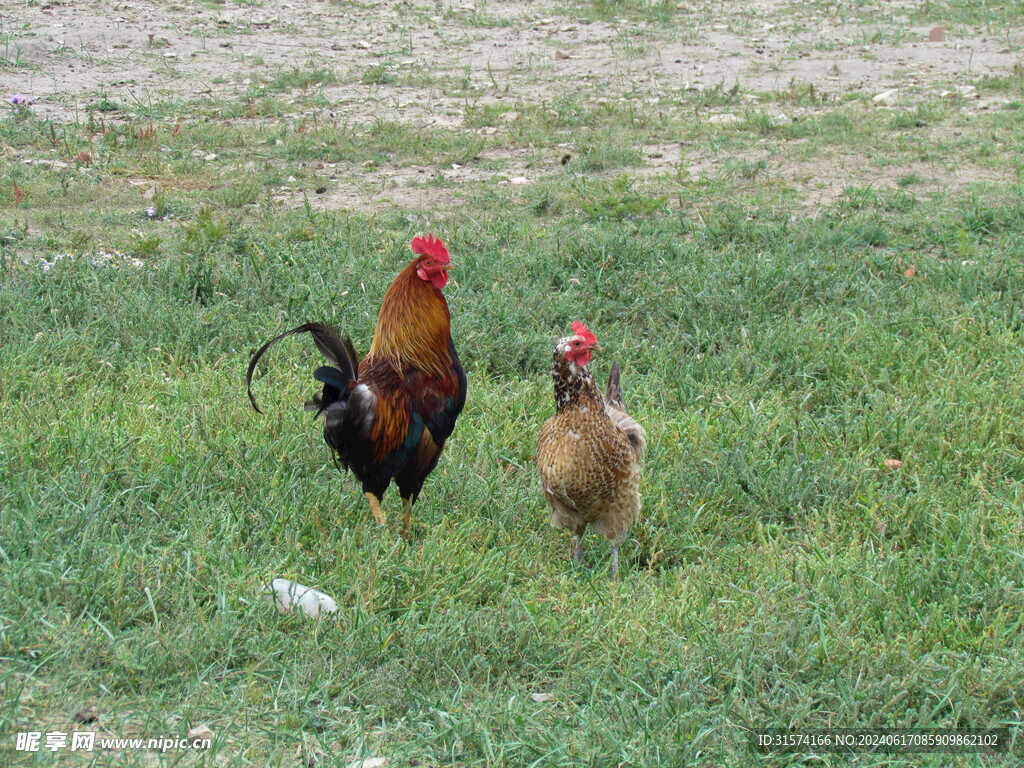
588 453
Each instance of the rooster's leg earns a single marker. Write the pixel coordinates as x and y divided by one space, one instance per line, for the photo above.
378 513
577 548
407 518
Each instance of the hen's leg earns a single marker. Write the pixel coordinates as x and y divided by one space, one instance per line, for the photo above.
577 547
615 561
378 513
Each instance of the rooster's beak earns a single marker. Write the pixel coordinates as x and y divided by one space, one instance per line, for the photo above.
447 267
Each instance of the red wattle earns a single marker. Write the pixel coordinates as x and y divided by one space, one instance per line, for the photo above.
437 279
580 358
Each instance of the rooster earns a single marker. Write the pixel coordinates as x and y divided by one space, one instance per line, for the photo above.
588 453
387 417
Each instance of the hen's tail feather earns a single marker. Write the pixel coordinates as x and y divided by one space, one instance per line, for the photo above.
337 351
613 392
615 406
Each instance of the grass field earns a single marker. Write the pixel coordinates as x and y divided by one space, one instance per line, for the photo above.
817 304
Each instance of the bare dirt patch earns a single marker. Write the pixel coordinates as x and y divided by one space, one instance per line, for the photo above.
73 53
423 63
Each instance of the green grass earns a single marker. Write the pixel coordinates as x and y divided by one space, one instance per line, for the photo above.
779 350
780 574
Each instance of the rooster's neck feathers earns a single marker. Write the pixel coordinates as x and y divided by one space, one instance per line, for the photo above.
413 327
573 385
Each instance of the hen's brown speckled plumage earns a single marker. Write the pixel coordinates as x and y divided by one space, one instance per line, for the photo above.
588 455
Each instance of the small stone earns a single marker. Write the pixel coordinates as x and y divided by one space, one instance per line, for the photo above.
364 45
893 464
559 56
726 118
994 102
201 731
87 716
936 35
886 98
540 698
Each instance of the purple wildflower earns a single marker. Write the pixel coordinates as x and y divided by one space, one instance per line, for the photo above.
22 101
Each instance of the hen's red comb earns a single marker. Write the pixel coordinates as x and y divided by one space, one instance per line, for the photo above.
430 246
580 329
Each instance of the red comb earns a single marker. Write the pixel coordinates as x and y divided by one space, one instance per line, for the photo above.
430 246
580 329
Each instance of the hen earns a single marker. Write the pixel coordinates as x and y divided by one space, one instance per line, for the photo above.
588 453
387 417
